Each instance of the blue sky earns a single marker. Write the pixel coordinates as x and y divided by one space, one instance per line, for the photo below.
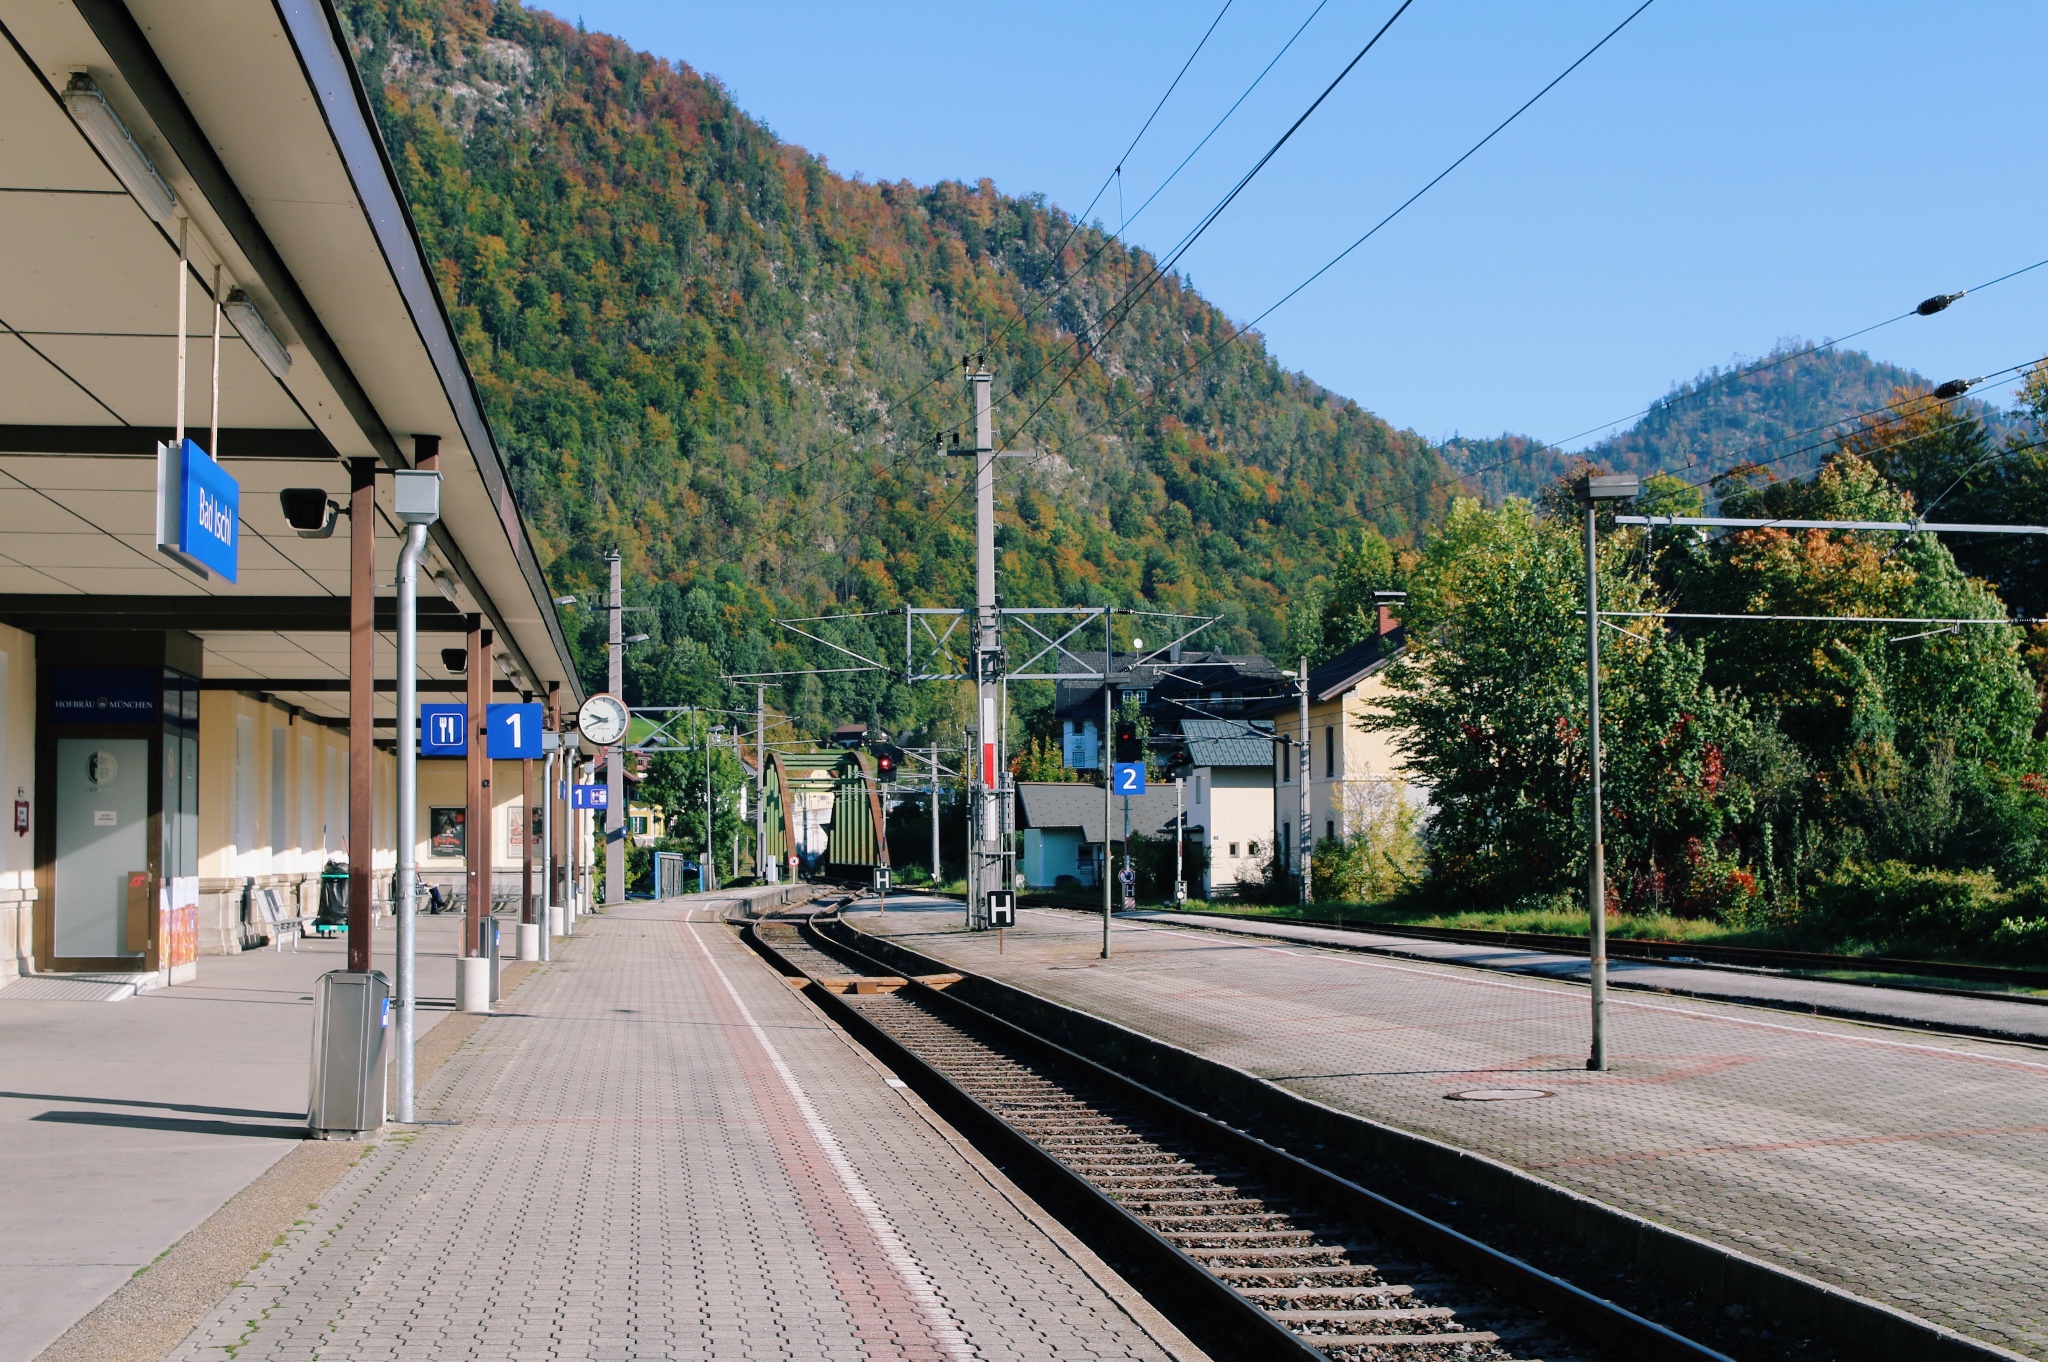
1718 177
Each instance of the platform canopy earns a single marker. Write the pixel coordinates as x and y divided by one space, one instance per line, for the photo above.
253 119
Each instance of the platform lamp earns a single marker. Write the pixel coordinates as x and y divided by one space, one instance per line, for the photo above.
1591 491
416 501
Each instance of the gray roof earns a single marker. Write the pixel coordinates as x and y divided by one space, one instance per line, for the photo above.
1048 804
1228 742
1344 671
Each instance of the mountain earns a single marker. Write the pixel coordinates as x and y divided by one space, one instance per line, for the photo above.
698 343
1780 411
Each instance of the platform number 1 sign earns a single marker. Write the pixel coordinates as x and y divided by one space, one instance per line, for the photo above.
1127 778
514 731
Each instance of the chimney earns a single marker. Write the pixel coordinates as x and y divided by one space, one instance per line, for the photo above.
1388 602
1173 653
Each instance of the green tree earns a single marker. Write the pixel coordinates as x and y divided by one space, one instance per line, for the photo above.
1489 709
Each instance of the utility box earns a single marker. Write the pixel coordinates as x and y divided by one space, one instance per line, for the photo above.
351 1024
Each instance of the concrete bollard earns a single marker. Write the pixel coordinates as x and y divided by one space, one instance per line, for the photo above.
529 941
558 912
473 984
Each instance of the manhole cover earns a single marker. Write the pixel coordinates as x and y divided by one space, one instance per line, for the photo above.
1497 1095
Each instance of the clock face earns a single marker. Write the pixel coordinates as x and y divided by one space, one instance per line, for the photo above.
603 719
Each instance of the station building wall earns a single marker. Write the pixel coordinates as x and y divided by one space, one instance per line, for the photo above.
17 784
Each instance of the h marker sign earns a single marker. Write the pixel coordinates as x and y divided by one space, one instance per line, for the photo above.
198 511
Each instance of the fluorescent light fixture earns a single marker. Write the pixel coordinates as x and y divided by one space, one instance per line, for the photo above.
249 324
110 137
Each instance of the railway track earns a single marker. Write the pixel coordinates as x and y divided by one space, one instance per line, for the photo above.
1255 1253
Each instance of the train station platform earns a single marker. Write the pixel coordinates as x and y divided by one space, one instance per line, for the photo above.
125 1122
1981 1013
1908 1168
659 1149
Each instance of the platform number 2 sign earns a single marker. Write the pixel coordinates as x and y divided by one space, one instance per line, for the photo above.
1127 778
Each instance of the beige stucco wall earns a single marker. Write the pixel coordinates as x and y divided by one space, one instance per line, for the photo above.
1368 765
251 838
17 779
1232 805
442 786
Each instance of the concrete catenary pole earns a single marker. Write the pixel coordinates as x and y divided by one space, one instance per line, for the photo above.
1103 749
614 765
765 869
1306 837
1596 876
989 843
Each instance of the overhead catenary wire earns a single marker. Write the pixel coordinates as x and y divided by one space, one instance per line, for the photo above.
1163 265
1159 391
998 335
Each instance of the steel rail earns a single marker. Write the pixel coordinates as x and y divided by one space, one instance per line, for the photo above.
1244 1322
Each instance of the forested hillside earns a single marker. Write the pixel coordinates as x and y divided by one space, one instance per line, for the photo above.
1780 411
698 343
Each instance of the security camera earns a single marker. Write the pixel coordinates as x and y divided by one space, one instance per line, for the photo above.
310 511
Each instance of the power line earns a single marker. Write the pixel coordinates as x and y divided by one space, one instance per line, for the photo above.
1159 391
995 337
1132 296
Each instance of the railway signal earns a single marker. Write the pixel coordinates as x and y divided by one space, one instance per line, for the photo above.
888 758
1129 746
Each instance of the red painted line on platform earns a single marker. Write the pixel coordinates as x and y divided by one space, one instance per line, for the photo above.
887 1318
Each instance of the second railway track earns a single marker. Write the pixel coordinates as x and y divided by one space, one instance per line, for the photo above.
1256 1253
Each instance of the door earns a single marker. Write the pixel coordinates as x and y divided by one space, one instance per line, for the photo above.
104 899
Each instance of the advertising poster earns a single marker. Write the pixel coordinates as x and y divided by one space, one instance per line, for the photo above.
445 832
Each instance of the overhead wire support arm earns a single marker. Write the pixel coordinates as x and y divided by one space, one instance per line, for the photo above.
1904 526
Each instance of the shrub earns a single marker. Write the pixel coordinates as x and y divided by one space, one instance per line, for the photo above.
1381 857
1892 903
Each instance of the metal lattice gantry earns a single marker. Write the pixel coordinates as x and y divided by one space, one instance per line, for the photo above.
938 642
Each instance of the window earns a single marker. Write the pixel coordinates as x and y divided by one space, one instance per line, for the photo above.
1330 751
1329 828
1286 763
1251 848
1233 848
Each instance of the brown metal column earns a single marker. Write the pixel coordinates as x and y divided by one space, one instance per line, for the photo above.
362 691
526 808
476 820
556 832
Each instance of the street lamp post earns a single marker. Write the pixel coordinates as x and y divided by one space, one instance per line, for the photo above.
416 498
1591 491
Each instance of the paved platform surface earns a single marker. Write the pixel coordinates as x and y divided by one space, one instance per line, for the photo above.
1909 1168
1982 1015
662 1151
125 1124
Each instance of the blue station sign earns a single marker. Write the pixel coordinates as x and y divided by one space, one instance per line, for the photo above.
444 730
590 797
1127 777
513 731
199 510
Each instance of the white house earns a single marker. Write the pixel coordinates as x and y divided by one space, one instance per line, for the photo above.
1229 778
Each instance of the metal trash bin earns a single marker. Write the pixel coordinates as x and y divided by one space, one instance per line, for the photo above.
351 1024
332 917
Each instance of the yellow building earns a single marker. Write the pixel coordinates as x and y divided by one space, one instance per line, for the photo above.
1347 768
